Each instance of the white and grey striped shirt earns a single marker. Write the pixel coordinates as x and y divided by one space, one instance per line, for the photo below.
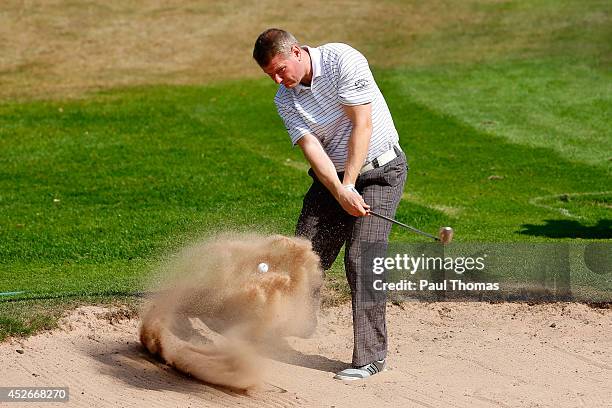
340 76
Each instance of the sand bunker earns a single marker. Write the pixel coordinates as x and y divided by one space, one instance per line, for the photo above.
451 354
216 307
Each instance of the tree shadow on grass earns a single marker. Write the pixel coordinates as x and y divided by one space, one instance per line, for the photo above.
569 229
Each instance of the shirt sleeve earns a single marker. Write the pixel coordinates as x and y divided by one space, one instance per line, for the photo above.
356 84
293 122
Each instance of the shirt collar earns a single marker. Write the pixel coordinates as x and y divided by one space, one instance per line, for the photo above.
315 63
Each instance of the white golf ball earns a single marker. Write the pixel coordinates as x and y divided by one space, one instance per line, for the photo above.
262 267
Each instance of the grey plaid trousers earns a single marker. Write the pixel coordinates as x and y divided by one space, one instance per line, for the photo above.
328 227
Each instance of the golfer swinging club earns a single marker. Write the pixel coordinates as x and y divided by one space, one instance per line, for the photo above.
333 109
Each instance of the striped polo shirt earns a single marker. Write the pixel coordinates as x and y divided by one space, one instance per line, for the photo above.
340 76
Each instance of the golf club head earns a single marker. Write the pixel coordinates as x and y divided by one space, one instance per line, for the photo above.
445 235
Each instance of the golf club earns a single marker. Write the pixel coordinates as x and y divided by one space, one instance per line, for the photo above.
445 235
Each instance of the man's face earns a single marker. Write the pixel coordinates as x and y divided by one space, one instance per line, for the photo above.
286 70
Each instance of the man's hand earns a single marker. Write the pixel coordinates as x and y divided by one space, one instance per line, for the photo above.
352 202
346 195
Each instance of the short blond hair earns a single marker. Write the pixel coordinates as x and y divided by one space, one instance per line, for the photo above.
271 43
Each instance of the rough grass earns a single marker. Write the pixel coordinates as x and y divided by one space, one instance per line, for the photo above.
25 317
63 48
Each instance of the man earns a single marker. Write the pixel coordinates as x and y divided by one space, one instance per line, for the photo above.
334 111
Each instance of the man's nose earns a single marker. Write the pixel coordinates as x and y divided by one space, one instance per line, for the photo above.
277 78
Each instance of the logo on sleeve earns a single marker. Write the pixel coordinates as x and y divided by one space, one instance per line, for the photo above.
361 84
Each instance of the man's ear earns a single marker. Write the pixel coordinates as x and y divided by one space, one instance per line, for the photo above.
297 52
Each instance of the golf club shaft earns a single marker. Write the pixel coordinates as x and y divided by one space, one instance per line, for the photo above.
418 231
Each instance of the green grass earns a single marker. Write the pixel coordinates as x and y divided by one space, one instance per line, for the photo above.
95 191
561 104
511 148
25 317
431 34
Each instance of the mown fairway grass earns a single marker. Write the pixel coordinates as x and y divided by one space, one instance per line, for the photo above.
95 191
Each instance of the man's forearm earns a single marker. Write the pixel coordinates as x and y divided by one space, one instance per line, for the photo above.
321 164
328 176
359 142
357 152
325 170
